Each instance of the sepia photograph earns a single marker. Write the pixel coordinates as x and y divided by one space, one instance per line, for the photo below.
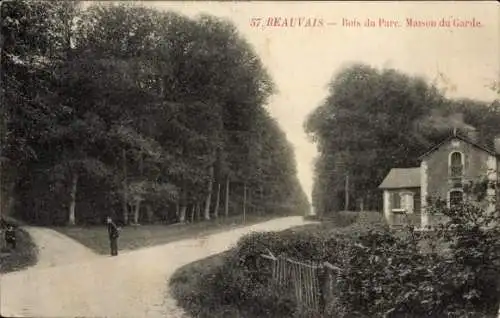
249 159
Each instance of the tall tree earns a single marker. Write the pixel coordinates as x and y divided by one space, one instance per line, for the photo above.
374 120
367 125
133 108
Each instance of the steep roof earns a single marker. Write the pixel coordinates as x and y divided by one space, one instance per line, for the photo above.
463 138
402 178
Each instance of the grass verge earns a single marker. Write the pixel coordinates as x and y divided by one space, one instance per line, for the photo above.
136 237
186 286
344 221
23 256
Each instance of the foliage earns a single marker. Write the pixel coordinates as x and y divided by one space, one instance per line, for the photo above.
385 273
238 282
388 275
234 282
374 120
23 256
121 109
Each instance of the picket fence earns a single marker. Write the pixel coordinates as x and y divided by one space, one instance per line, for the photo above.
312 282
311 291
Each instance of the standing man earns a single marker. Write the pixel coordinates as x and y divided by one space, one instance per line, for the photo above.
10 237
113 236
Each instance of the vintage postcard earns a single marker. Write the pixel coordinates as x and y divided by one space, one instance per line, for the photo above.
249 159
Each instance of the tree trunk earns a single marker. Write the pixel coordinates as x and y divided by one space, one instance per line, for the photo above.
125 188
244 201
261 203
149 212
198 212
183 202
226 207
367 201
3 120
72 205
7 198
250 206
346 190
1 167
217 202
192 213
182 214
136 211
141 164
177 210
10 204
209 195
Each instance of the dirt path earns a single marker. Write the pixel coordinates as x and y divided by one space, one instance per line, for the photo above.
56 249
130 285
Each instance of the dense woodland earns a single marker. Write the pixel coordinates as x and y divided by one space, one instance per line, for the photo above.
374 120
140 114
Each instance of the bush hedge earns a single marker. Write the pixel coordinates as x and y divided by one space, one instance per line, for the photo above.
385 273
237 283
25 254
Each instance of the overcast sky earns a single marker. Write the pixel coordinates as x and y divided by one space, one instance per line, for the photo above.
302 60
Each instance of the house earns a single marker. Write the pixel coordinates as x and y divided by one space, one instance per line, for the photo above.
445 171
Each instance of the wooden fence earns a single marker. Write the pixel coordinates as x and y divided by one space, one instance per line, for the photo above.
312 282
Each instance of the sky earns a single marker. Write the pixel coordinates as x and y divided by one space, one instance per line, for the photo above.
302 60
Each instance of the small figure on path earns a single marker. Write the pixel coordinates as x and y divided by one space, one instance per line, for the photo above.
10 237
113 236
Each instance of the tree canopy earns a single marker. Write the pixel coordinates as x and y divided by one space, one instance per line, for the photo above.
373 120
136 113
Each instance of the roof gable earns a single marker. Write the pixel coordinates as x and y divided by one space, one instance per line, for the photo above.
464 139
399 178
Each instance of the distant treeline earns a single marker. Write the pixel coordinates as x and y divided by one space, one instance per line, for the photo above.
374 120
136 113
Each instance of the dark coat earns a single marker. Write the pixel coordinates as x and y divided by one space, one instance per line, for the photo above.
113 231
10 235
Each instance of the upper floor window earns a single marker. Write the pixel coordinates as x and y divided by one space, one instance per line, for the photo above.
456 165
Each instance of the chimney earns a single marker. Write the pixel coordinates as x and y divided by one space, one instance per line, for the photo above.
469 132
461 128
472 134
496 143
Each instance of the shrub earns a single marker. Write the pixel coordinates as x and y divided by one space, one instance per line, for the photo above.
346 218
474 239
25 254
385 273
380 276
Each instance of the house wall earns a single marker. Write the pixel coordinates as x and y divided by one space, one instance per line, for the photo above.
497 200
476 162
492 167
387 205
424 192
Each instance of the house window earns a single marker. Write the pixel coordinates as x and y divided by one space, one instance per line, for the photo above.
456 198
396 201
456 165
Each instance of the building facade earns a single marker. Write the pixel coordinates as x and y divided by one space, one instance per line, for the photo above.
446 171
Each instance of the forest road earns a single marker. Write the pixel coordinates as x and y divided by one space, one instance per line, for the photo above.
72 281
